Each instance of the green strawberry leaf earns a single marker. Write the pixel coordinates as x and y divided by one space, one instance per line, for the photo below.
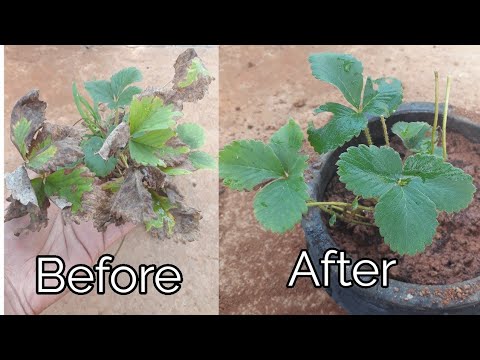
286 143
154 138
450 188
191 134
416 136
144 154
123 78
94 161
151 124
101 92
69 184
383 101
202 160
116 92
409 195
246 164
344 125
345 72
150 114
127 95
194 72
281 204
342 71
407 219
20 132
369 171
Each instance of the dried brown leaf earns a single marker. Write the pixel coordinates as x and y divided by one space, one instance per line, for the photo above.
19 184
65 139
117 139
174 159
61 202
154 178
195 91
96 206
38 214
31 108
168 96
178 95
133 202
187 219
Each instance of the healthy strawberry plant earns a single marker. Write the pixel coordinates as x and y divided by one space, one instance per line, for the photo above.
119 164
404 197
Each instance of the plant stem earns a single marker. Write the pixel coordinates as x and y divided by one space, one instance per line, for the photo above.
444 126
338 203
368 136
435 117
116 117
385 131
124 160
341 217
353 213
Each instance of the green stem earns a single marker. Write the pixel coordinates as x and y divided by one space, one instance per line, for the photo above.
368 136
444 126
385 131
435 116
343 218
124 160
338 208
339 203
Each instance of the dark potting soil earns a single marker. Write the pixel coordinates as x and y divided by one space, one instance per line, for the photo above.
454 254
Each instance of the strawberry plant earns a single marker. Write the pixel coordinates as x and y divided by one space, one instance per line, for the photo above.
119 165
404 197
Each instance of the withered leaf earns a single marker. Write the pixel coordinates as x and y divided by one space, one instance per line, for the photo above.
32 109
168 96
56 146
191 79
175 152
190 82
19 184
38 214
96 206
186 218
61 202
117 139
154 178
133 202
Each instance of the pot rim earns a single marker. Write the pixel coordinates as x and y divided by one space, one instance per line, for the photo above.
398 292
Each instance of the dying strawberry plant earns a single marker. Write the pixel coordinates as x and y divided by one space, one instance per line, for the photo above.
119 164
401 198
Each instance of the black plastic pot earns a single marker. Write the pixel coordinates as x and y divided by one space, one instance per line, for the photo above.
399 297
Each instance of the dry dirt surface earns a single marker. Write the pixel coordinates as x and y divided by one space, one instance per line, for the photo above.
261 87
52 69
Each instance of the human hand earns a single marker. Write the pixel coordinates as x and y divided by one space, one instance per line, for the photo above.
75 244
